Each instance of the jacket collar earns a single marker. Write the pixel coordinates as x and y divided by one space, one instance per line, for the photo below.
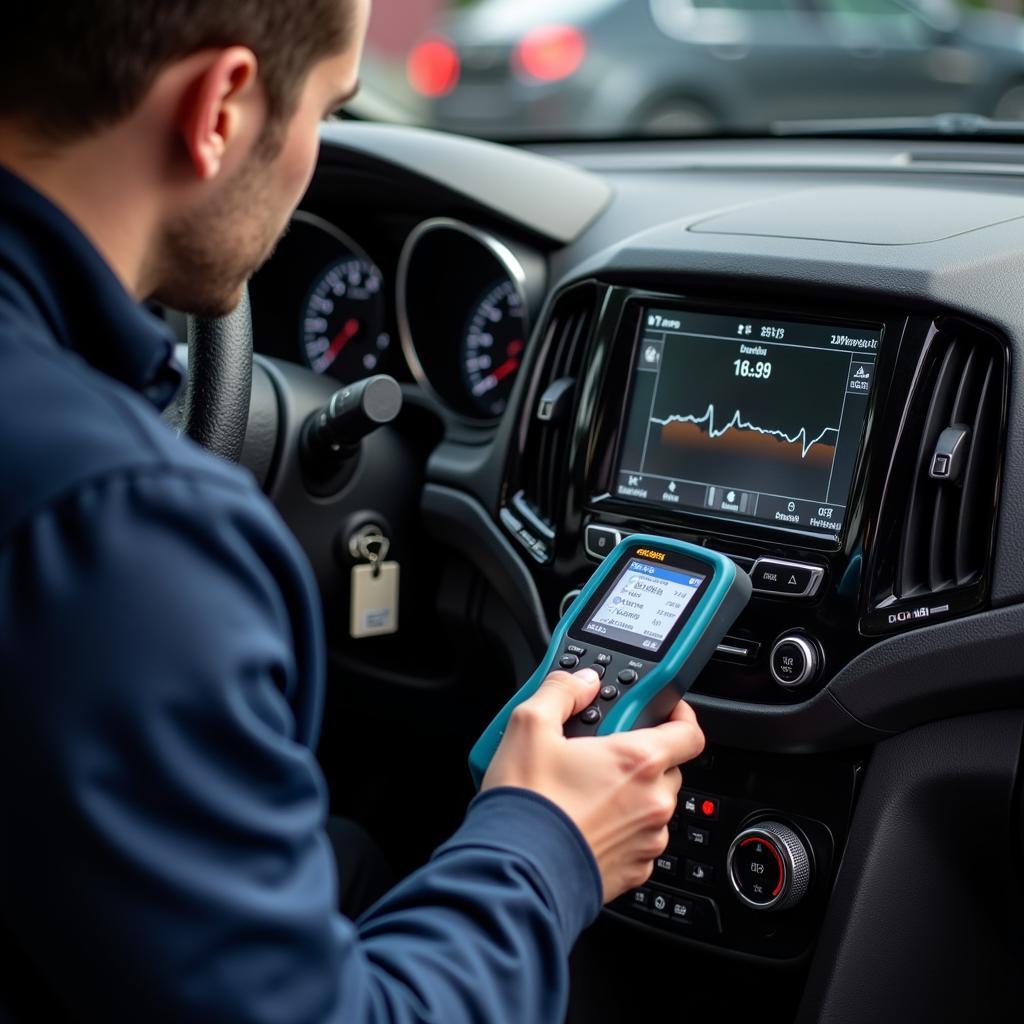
54 273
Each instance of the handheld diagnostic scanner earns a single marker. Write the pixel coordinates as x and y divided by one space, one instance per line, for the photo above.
647 622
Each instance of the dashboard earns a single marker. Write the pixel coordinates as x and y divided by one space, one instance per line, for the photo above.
805 355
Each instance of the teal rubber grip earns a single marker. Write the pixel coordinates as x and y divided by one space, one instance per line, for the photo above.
651 699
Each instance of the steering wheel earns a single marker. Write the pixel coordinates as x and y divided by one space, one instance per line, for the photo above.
213 407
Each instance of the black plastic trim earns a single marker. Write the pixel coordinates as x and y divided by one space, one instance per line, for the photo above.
924 920
456 519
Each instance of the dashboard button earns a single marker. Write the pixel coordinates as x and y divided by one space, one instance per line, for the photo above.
788 579
599 669
591 716
795 661
627 677
680 909
603 659
666 864
568 661
609 692
600 541
697 871
642 898
698 836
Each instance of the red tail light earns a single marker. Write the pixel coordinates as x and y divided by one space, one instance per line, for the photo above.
550 53
434 68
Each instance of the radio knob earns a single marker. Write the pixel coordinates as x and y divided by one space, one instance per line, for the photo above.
795 661
769 866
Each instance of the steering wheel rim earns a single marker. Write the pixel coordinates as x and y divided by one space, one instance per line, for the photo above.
213 406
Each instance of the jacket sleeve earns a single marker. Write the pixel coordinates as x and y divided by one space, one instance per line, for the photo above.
164 858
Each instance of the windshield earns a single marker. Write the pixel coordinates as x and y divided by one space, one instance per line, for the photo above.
539 69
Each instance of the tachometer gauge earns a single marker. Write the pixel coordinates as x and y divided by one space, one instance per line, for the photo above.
343 319
492 347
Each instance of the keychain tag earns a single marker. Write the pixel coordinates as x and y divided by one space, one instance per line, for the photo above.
374 600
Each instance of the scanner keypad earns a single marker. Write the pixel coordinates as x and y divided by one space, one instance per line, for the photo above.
621 671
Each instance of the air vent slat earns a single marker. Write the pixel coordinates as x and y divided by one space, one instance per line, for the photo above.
981 465
915 562
940 556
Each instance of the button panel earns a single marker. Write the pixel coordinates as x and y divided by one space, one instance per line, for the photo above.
692 914
699 895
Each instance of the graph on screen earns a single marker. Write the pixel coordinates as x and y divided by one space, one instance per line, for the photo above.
708 433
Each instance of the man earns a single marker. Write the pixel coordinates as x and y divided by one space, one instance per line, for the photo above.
162 855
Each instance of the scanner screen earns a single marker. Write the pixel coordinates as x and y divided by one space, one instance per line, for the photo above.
643 604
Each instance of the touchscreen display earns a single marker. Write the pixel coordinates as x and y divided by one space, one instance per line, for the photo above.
747 419
643 605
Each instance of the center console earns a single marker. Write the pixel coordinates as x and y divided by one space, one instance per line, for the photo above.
846 456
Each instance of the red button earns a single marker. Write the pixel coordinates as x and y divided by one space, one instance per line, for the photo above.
709 808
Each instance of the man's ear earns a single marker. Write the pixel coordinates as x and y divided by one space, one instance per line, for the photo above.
222 96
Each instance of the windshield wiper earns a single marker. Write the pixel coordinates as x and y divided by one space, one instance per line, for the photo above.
938 126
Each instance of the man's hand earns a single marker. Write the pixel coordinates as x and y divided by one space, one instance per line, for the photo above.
619 790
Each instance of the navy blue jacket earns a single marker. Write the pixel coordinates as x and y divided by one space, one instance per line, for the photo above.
161 681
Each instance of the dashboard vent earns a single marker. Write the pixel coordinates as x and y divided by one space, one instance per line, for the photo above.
545 431
940 507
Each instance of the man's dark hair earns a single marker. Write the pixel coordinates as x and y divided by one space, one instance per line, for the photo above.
69 67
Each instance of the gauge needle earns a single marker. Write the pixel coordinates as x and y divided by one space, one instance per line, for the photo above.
493 380
343 337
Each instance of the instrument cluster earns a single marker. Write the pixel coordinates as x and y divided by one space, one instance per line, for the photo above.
459 299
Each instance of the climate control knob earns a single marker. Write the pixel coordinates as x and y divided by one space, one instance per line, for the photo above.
769 866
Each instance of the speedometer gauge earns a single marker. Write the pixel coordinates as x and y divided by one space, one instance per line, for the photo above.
343 319
492 347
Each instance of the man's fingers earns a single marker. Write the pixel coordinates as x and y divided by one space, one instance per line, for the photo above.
562 695
682 712
679 740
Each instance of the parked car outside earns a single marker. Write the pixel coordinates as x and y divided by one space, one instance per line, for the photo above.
628 67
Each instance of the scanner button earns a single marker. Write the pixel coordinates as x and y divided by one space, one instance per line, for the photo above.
628 676
568 661
575 649
603 659
591 716
609 692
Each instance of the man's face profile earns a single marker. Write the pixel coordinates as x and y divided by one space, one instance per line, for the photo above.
210 250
